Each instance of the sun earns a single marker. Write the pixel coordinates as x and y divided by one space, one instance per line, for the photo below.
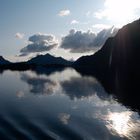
120 11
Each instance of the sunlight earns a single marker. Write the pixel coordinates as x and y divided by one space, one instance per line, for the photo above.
119 11
119 122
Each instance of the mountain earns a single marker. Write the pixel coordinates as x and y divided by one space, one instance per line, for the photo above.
119 53
39 64
117 64
49 60
3 61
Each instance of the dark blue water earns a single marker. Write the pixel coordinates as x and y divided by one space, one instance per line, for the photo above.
61 105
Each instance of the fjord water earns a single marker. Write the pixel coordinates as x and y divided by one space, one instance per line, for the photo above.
61 105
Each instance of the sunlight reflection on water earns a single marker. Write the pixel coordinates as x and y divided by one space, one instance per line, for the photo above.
123 124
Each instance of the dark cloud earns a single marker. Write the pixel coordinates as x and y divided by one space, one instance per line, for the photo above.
22 55
39 43
103 35
81 42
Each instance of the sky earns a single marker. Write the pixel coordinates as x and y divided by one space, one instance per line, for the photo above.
67 28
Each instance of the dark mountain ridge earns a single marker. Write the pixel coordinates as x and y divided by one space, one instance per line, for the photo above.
38 63
48 59
4 61
117 64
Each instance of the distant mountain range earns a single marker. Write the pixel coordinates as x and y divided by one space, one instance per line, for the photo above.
46 59
49 60
37 63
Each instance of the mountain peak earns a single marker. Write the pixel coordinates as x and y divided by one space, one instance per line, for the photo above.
3 61
1 57
48 59
47 54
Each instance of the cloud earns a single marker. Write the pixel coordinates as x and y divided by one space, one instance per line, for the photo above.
64 13
83 87
88 13
39 85
39 43
81 42
19 35
74 22
20 94
101 26
22 55
64 118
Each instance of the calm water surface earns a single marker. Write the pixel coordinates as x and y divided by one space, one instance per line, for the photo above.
61 105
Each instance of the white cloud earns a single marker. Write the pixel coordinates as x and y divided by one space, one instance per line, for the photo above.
74 22
88 14
39 43
101 26
64 13
19 35
119 11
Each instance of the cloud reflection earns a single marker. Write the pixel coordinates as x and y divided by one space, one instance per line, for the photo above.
20 94
82 87
64 118
39 85
67 82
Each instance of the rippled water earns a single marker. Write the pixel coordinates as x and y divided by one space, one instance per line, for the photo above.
61 105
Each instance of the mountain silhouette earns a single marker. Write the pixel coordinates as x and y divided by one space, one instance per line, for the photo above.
49 60
117 64
37 64
3 61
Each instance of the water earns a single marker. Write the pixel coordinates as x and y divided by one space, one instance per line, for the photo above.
61 105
